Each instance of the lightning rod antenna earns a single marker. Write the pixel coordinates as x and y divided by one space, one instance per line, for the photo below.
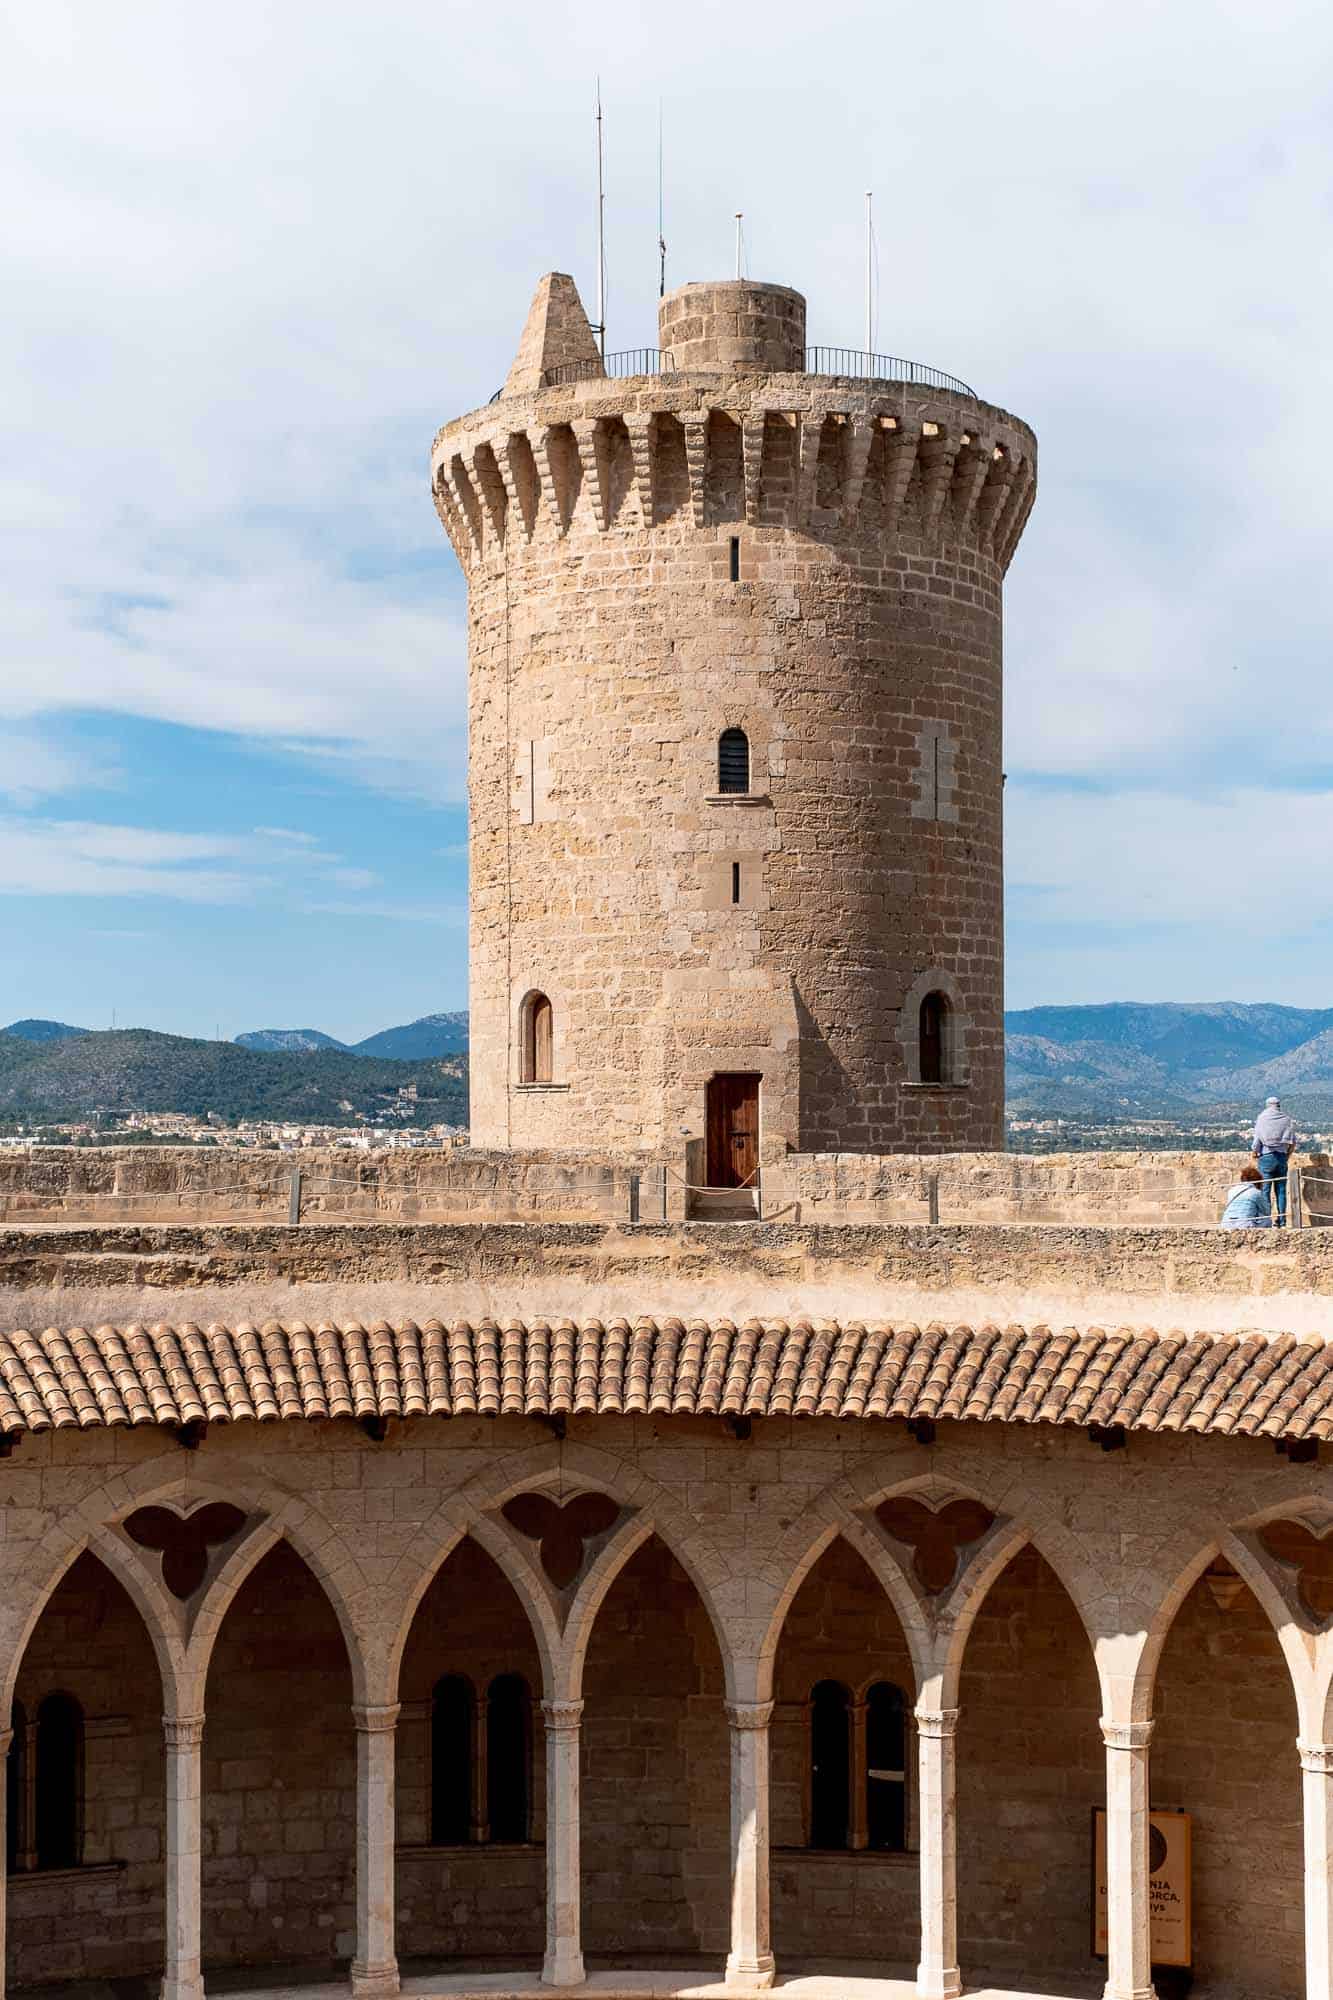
601 233
661 226
870 239
739 213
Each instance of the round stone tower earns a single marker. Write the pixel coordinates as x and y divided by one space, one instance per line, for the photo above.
735 707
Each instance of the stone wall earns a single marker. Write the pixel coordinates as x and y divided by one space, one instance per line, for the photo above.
51 1186
1109 1190
983 1275
41 1185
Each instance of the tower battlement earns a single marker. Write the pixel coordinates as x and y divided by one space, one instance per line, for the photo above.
734 741
731 427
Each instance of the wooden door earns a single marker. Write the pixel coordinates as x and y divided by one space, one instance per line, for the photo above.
733 1130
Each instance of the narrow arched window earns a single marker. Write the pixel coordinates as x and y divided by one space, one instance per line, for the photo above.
733 761
59 1782
886 1767
537 1040
451 1726
509 1758
932 1034
830 1766
15 1775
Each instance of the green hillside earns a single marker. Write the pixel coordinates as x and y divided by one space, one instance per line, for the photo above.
134 1069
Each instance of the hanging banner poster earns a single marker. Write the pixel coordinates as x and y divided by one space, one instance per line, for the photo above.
1169 1886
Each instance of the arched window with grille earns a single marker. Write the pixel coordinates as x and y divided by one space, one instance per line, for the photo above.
451 1756
15 1786
886 1767
509 1758
733 761
59 1809
932 1036
536 1040
830 1765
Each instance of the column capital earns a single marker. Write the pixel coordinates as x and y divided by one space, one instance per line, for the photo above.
1317 1757
564 1716
375 1718
183 1732
936 1721
1125 1735
749 1714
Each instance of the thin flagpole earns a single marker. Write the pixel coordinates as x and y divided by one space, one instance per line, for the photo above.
739 213
601 233
661 225
870 238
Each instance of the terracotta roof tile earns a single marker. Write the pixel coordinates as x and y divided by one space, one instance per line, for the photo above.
75 1378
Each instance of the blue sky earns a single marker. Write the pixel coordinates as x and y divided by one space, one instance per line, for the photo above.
253 259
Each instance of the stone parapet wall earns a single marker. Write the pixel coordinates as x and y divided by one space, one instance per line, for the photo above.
973 1274
1141 1190
56 1186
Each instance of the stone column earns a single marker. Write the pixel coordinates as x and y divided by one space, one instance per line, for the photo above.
937 1975
858 1833
563 1964
750 1960
181 1976
1317 1788
375 1967
1128 1911
6 1739
27 1853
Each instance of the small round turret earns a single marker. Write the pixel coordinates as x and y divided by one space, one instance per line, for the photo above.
736 325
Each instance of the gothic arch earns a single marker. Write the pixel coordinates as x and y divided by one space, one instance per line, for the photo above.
469 1510
182 1645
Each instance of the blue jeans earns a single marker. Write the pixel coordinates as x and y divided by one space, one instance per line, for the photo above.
1273 1167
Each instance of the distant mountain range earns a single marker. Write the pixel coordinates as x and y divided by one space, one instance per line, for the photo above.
416 1041
1168 1058
1124 1059
65 1073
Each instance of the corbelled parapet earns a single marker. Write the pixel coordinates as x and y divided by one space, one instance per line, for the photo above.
730 427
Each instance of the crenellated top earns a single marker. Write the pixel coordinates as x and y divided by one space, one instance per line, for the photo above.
835 458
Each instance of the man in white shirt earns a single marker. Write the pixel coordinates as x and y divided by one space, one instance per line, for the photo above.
1274 1143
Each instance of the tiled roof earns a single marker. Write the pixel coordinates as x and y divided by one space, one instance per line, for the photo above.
1252 1385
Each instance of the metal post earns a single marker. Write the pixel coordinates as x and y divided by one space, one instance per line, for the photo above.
870 289
294 1199
634 1197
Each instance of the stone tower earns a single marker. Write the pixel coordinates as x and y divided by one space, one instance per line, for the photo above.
735 706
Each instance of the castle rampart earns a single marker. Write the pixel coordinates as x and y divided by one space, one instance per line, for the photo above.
804 567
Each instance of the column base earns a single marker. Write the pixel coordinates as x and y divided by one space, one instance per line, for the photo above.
374 1982
1110 1992
751 1975
936 1982
191 1987
563 1967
